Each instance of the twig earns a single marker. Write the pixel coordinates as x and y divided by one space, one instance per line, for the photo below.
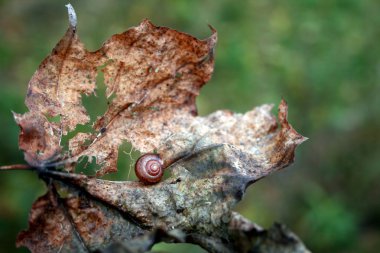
16 167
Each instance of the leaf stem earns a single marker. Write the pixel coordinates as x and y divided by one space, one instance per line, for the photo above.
16 167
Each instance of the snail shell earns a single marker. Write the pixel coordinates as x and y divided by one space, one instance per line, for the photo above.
149 168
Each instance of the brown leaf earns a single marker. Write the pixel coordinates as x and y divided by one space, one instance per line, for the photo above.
49 228
210 180
153 75
75 223
39 139
56 87
198 198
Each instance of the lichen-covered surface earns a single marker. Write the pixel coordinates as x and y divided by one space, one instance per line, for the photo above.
153 75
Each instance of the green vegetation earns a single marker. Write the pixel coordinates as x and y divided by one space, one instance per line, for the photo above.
323 57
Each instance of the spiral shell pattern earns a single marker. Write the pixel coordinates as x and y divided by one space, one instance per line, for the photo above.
149 168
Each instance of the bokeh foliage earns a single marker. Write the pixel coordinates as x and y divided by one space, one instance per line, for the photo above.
323 57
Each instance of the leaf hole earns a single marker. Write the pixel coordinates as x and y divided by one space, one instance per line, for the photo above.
79 129
87 166
53 119
125 163
97 103
177 247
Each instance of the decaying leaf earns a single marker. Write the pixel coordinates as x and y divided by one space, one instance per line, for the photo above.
75 223
39 138
153 75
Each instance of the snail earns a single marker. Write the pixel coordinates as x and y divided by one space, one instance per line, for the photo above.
149 168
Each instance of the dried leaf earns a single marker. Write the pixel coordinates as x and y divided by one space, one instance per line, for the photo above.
153 75
56 87
39 139
222 172
144 243
203 188
75 223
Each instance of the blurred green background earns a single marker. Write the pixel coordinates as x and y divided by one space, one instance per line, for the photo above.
323 57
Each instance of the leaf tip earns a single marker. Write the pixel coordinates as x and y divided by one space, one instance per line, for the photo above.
72 15
283 118
146 25
16 116
213 39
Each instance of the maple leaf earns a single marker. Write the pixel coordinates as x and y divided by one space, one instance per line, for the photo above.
153 75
